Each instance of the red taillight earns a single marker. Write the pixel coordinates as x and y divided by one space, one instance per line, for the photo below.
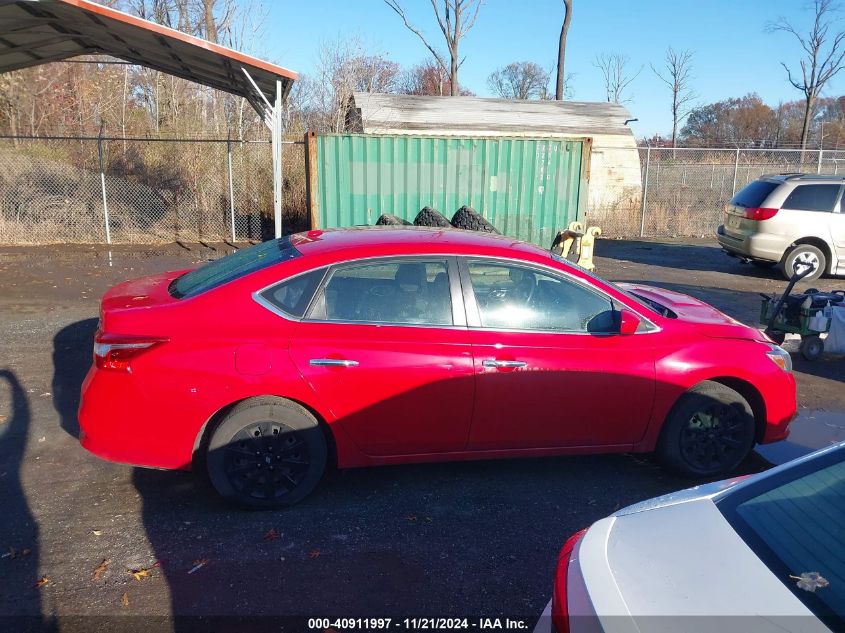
116 352
560 609
760 213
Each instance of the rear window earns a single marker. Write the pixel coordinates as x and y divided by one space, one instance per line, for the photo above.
754 194
795 525
234 266
812 198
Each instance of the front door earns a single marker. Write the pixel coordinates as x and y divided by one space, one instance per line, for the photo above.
550 372
384 347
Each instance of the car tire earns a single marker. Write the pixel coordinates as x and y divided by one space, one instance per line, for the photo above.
705 421
469 219
762 263
804 253
812 347
385 219
266 453
431 217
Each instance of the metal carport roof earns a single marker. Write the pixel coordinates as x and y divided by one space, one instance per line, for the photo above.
34 32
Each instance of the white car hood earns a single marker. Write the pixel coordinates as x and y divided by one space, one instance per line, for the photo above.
669 568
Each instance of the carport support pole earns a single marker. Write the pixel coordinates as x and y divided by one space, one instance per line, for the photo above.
277 159
103 186
231 186
645 191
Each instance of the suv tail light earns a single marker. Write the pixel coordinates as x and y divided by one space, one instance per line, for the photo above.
560 608
760 213
115 352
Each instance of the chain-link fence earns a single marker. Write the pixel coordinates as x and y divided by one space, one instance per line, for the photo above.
133 190
684 190
94 190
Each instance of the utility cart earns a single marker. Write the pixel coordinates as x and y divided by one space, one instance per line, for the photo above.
798 314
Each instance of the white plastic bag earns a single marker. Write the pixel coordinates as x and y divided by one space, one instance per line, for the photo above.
835 341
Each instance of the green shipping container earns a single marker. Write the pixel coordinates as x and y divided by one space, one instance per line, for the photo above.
527 188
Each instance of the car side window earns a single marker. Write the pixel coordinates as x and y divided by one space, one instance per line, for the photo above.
812 198
410 292
293 295
518 297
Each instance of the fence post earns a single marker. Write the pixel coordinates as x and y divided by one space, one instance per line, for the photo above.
103 185
645 191
231 185
819 164
736 167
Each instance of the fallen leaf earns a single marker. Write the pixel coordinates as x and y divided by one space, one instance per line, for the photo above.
314 553
140 574
3 418
810 581
411 518
100 569
96 532
44 580
26 551
272 535
124 599
43 438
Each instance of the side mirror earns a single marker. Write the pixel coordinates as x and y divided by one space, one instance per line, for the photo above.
628 322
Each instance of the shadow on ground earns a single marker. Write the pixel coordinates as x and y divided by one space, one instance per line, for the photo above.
73 349
19 542
708 258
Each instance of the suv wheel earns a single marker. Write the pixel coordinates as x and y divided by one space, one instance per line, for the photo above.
800 257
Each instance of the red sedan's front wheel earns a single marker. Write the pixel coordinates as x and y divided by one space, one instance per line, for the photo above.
266 453
709 431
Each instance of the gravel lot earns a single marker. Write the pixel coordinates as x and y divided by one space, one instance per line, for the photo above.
467 539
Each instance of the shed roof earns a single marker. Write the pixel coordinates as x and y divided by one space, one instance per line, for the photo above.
375 113
35 32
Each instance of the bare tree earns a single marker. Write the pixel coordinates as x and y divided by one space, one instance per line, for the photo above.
561 51
519 80
617 77
343 67
677 74
824 54
455 19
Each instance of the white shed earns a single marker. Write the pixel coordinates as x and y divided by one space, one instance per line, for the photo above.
615 185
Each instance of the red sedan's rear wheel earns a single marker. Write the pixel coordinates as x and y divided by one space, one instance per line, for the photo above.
709 431
266 453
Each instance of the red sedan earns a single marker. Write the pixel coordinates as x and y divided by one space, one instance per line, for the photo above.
362 347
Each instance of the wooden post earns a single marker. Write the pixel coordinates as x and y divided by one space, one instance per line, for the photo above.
312 190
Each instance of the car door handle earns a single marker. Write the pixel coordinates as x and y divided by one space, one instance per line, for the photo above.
332 362
503 364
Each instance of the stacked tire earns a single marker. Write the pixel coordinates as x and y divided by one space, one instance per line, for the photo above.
429 216
469 219
465 218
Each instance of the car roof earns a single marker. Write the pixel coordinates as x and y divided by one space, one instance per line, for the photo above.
802 177
376 240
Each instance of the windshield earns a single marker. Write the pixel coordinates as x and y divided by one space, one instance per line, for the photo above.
795 523
231 267
651 306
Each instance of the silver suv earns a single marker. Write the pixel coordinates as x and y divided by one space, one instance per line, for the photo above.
788 220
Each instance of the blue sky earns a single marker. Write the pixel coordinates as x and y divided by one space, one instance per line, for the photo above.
733 55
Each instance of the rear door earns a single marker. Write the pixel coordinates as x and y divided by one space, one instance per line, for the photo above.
808 211
384 347
550 372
